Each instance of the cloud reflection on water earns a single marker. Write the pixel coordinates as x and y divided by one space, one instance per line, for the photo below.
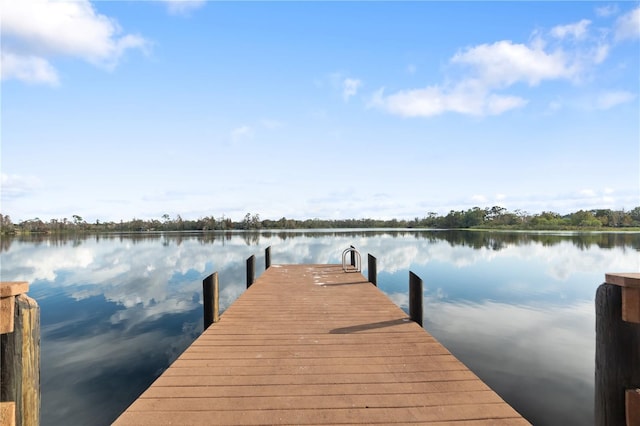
540 359
518 309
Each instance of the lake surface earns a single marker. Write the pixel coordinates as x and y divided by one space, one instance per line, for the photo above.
517 308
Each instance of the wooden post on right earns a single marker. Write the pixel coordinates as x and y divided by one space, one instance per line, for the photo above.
251 270
372 269
267 258
415 298
617 373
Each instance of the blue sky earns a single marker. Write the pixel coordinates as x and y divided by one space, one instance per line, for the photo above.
116 110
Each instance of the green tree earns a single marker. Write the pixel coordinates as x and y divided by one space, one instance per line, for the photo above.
474 217
455 219
495 213
635 216
6 225
584 218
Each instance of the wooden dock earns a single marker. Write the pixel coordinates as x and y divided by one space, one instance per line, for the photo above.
312 344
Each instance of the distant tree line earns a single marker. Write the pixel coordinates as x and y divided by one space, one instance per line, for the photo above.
499 217
495 217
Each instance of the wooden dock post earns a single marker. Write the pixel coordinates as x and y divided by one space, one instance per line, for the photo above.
251 270
19 355
353 255
617 372
415 298
267 258
211 299
372 270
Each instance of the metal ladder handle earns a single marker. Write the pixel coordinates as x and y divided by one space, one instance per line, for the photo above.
358 260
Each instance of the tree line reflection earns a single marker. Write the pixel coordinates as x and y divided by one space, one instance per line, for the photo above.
493 240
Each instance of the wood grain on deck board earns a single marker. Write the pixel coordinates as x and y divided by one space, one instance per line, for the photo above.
312 344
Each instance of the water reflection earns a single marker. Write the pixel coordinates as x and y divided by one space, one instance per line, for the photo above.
539 358
515 307
494 240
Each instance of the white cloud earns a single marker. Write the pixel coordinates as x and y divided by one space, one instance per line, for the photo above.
410 103
466 99
183 7
497 198
271 124
566 52
589 198
600 53
347 87
504 63
241 133
491 67
15 186
30 69
594 101
496 105
628 25
577 30
33 32
350 87
607 10
611 99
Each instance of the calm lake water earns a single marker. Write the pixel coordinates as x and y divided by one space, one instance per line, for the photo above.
517 308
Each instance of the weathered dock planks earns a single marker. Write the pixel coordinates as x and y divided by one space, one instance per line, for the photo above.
311 344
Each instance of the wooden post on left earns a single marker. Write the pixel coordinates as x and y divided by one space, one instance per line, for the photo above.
617 372
19 355
211 299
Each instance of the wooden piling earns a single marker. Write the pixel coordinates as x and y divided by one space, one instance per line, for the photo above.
267 258
617 372
372 270
19 355
415 298
353 255
251 270
632 401
211 299
7 413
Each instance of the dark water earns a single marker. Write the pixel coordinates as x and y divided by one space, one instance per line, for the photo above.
517 308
